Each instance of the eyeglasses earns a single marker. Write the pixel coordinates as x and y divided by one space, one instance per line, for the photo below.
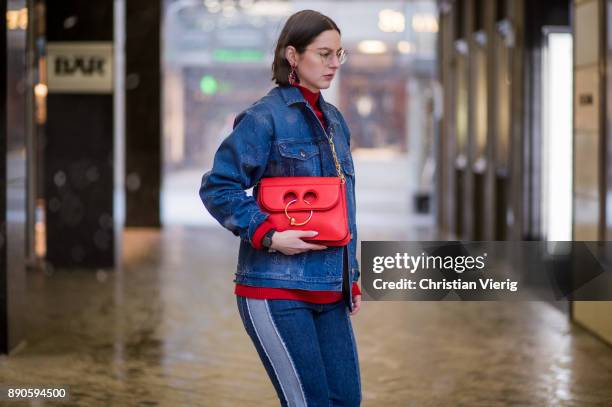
327 56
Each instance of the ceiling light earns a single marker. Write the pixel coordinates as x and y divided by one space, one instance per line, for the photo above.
391 21
372 47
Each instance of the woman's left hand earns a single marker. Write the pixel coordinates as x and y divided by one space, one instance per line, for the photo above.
356 304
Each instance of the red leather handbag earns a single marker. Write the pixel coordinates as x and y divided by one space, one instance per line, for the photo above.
308 203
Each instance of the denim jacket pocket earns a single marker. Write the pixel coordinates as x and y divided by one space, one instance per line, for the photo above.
299 158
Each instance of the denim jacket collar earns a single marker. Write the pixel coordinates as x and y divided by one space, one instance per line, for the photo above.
292 95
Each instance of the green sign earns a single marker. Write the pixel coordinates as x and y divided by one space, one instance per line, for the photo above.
237 55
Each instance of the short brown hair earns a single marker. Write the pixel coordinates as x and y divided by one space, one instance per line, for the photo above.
299 31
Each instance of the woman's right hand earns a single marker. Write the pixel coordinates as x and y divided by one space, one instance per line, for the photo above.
290 242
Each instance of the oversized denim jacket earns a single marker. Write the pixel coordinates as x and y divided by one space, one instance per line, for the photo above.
280 135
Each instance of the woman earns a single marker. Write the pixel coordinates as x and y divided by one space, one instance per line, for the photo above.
294 297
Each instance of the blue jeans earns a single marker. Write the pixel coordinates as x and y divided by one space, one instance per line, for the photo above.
308 350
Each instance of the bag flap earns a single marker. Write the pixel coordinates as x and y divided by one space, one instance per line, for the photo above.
310 193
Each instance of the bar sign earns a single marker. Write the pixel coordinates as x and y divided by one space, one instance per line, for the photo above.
80 67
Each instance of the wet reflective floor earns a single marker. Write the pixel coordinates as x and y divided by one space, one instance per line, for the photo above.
164 330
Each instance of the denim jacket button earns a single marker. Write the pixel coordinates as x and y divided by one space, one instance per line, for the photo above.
302 153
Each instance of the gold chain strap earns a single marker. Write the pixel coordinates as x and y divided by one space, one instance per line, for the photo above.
333 149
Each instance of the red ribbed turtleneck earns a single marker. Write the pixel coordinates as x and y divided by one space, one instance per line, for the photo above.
313 100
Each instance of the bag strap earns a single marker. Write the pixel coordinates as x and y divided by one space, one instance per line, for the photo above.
330 138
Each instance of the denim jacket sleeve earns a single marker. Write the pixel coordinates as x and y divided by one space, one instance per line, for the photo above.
238 165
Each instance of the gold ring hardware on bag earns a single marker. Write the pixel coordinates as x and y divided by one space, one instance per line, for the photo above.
292 219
